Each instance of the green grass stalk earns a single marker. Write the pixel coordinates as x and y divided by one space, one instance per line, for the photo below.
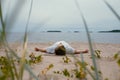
112 10
89 41
11 53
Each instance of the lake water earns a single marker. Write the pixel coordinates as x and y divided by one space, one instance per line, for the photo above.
66 36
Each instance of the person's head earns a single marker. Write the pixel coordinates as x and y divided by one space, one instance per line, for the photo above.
60 50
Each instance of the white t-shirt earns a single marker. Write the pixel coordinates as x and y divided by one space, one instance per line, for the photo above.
68 48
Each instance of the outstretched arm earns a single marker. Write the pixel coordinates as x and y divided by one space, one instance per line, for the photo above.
41 50
79 52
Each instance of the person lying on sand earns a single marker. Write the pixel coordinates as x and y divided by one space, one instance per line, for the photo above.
61 48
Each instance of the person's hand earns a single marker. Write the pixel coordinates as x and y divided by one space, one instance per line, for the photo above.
85 51
36 49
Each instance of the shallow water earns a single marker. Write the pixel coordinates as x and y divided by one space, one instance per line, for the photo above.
66 36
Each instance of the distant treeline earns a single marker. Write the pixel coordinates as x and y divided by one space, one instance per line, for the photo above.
54 31
60 31
110 31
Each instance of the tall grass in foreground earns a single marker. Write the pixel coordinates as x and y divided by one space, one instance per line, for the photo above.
112 10
96 77
12 71
94 59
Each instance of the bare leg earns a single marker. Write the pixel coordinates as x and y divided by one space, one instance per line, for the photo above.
41 50
79 52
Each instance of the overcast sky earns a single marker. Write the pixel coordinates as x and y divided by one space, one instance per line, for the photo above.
61 14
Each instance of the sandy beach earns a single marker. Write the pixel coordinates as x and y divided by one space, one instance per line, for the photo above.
106 64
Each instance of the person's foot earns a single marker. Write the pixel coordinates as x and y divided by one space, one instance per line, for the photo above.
36 49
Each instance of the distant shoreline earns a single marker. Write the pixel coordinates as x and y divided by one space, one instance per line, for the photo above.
113 31
54 31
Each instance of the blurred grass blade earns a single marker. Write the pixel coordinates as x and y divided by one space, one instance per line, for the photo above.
9 66
8 10
89 40
28 19
12 52
3 34
3 30
85 68
29 14
25 37
83 62
25 44
111 8
14 14
27 67
15 69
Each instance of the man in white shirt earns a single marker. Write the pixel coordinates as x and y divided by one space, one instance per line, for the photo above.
60 48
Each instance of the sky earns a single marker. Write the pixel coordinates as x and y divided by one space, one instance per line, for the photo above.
60 15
